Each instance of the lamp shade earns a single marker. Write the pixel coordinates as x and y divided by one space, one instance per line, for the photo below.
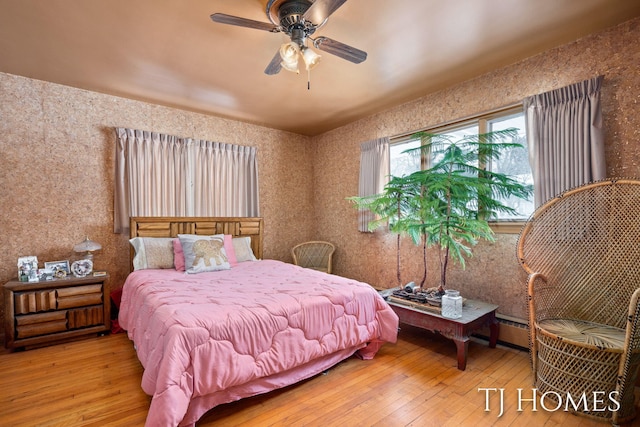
87 245
289 54
311 58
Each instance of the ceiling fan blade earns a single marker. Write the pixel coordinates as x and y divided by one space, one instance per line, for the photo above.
223 18
275 65
321 10
342 50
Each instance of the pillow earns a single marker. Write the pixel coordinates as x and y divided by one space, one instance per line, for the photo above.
230 250
242 247
152 252
178 254
204 253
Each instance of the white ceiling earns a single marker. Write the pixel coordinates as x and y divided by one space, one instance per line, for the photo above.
169 52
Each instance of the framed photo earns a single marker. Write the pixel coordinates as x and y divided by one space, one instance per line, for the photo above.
28 269
58 267
45 274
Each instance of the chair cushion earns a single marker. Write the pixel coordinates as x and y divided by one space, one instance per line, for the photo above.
582 333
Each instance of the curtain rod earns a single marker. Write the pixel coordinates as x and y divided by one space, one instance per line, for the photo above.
460 120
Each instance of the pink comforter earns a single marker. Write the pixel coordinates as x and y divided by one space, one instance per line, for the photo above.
211 338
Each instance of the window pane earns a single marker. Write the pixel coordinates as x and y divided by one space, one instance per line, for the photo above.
515 163
403 164
457 135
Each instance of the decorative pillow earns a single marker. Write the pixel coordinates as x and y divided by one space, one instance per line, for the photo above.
152 252
230 250
204 253
242 247
178 255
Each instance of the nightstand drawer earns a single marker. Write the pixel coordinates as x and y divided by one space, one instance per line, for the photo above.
79 296
33 302
33 325
86 316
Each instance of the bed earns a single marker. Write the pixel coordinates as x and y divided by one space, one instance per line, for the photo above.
213 336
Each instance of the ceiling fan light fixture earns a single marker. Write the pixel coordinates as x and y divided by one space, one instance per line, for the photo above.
291 66
289 54
299 20
310 57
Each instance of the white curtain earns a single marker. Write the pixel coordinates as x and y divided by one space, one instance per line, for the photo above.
163 175
565 138
224 179
374 175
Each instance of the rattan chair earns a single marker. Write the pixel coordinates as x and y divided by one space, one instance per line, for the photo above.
316 255
582 251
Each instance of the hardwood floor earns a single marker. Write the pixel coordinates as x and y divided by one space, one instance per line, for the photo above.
96 382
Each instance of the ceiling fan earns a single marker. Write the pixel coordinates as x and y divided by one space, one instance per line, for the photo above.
299 19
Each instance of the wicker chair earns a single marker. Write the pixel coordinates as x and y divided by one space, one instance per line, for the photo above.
581 250
316 255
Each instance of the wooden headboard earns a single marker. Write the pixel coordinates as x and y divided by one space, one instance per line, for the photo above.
160 226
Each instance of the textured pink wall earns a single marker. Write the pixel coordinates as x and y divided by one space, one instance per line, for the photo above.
493 274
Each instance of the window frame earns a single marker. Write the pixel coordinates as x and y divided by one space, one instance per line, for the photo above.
504 226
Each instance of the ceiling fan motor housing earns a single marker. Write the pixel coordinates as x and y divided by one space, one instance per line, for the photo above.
290 12
291 15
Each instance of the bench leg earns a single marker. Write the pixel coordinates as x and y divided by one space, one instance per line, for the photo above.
462 345
494 331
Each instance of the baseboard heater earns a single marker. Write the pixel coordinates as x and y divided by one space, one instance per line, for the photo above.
514 332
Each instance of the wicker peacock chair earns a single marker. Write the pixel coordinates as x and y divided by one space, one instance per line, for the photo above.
581 250
316 255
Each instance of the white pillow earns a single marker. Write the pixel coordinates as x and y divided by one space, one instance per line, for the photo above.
204 253
242 247
152 252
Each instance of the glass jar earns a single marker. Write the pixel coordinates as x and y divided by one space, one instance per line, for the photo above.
451 304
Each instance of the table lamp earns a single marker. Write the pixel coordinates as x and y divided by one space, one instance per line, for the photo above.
88 247
84 265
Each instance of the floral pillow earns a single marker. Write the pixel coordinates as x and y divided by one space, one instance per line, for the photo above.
152 252
204 253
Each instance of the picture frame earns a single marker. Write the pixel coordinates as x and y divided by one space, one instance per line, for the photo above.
45 274
57 267
28 268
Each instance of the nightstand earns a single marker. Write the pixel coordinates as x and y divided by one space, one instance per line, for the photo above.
48 311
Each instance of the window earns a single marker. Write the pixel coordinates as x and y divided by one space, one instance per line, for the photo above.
514 162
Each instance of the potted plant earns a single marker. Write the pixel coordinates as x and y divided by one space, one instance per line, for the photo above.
449 203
